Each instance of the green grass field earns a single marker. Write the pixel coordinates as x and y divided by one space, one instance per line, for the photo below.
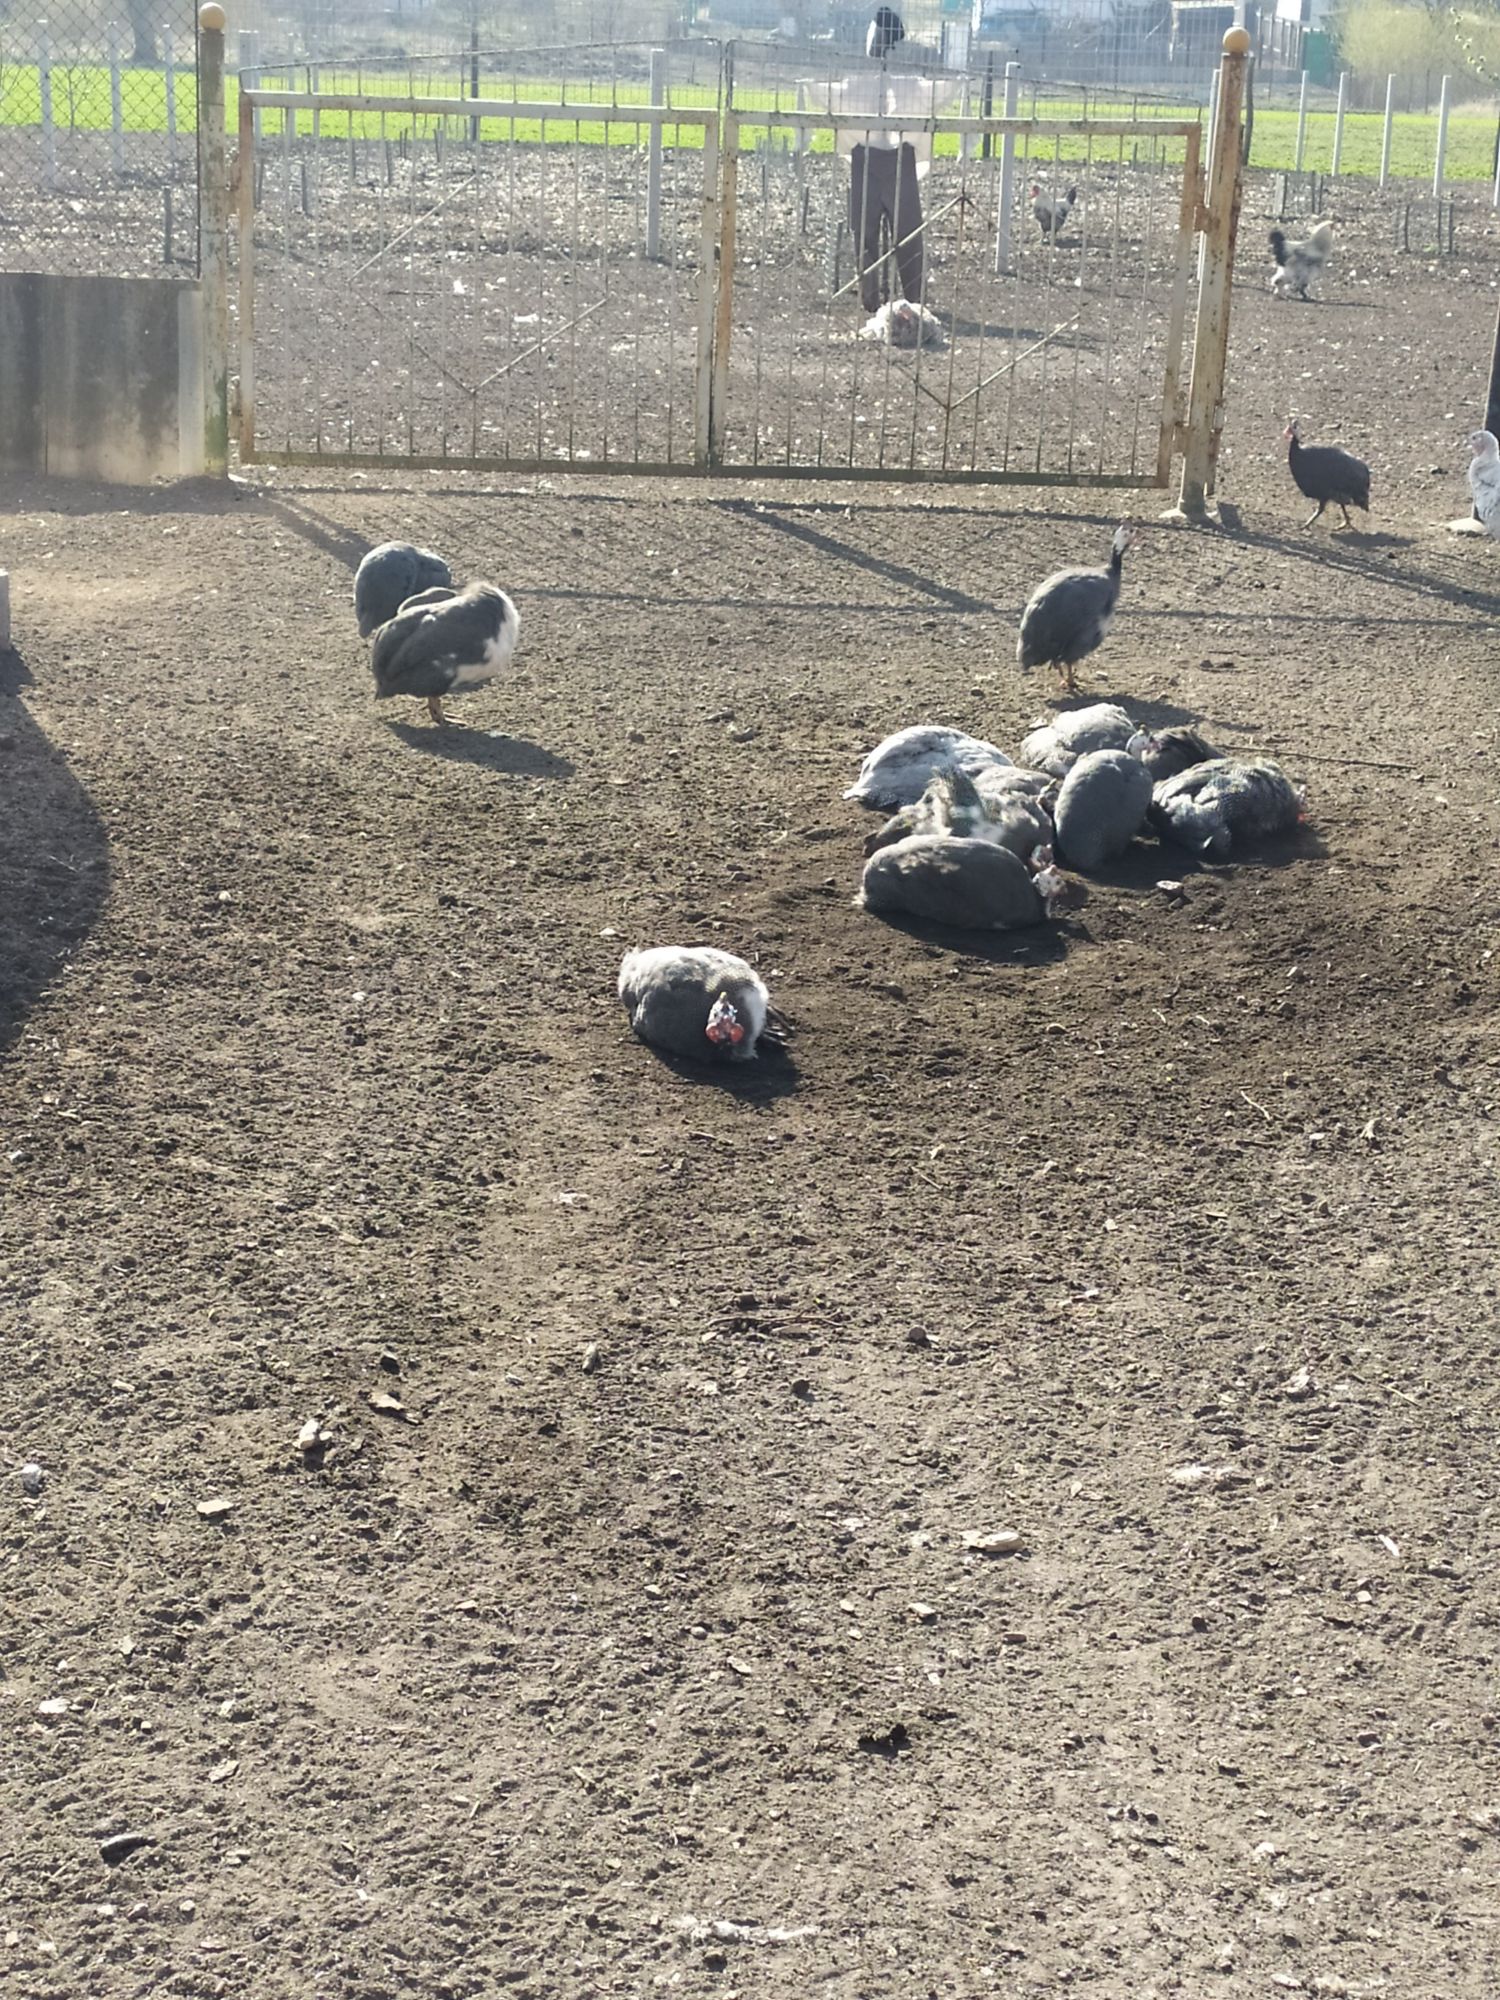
81 102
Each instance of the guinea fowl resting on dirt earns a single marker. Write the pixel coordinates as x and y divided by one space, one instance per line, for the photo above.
1297 264
1214 805
1070 613
1484 479
897 771
970 884
1051 211
954 808
1324 472
388 576
696 1001
1102 807
1165 752
1055 744
444 642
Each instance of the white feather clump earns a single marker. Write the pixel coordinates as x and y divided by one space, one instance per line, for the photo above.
900 323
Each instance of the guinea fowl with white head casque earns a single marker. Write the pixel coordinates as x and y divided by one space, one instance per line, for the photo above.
1070 612
697 1001
391 574
1326 473
445 642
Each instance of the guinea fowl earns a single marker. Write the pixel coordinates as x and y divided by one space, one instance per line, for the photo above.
1070 612
1213 805
391 574
696 1001
1484 479
1297 264
1055 745
1325 472
1051 211
886 29
1165 752
1102 807
445 642
954 808
969 884
898 770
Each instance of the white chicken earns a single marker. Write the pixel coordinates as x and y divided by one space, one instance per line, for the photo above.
1484 479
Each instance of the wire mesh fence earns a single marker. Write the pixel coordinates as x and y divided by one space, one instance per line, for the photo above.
98 122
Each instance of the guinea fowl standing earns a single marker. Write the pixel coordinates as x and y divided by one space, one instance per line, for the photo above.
444 642
391 574
1484 479
1324 472
1070 613
695 1001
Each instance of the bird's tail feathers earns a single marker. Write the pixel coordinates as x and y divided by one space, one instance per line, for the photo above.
1278 246
1321 238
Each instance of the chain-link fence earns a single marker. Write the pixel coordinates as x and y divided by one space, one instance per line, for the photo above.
98 138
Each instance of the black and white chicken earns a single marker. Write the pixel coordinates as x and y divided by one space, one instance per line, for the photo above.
443 642
886 29
389 575
1051 211
1325 472
1297 264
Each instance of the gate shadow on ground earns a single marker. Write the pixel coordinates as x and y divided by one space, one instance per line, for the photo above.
460 744
768 514
54 858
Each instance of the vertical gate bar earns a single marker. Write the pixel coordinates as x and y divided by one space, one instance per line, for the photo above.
573 266
636 244
1007 194
510 298
543 176
213 211
608 336
858 238
1385 137
44 92
1148 247
671 294
1301 125
724 321
960 268
1088 167
1440 158
703 444
116 117
1187 226
169 82
246 165
1051 254
654 141
1338 123
1211 335
288 291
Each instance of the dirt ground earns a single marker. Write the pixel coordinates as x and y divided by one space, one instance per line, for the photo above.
650 1609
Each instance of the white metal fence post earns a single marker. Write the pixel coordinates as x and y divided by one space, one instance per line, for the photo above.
1495 190
1301 124
1385 137
169 82
1211 333
653 156
44 88
249 40
1007 170
116 119
1338 122
1442 140
213 227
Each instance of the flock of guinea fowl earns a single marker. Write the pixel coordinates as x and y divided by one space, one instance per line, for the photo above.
974 839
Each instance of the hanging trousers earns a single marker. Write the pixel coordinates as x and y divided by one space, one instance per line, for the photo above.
883 182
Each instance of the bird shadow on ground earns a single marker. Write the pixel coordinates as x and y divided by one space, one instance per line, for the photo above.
459 744
1150 714
1146 862
772 1075
1034 945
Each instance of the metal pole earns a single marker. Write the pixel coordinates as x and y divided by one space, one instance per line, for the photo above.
1211 334
246 169
1442 141
116 120
1385 137
1338 122
653 156
473 74
4 612
1301 124
169 77
44 87
1007 170
213 227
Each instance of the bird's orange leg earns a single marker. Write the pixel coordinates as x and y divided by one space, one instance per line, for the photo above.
435 710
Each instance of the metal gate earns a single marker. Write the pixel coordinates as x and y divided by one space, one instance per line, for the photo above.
544 285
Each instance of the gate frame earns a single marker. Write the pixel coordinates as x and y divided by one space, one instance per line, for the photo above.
1191 421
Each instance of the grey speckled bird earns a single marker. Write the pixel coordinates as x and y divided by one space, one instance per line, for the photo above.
443 642
391 574
1213 806
1102 807
1070 613
970 884
696 1001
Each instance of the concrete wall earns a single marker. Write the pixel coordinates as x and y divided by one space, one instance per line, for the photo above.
100 378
